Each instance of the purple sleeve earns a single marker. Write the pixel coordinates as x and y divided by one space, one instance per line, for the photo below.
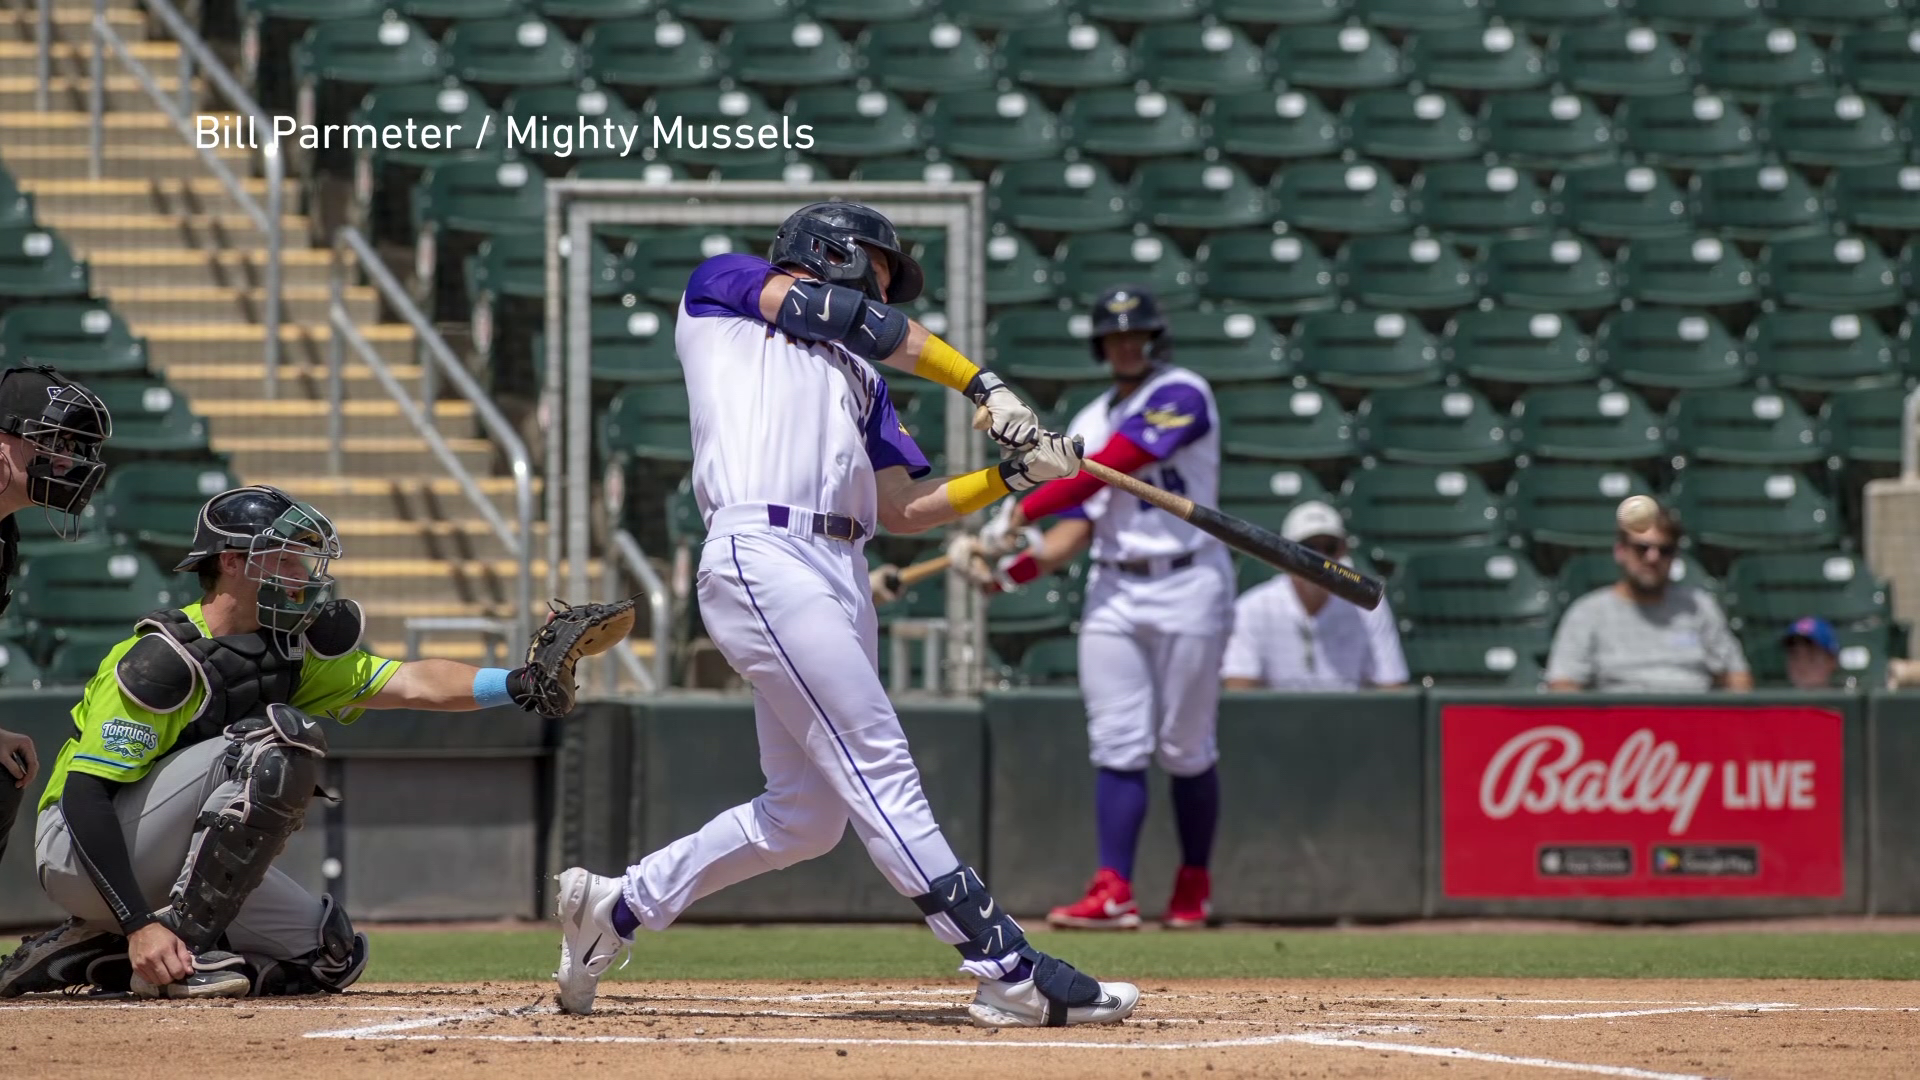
1174 416
727 285
888 443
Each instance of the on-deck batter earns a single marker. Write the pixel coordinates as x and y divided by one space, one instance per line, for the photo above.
1159 605
798 453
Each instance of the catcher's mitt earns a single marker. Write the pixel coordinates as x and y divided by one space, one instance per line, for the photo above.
570 632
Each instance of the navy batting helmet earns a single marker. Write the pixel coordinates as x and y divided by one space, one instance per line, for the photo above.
1128 307
825 240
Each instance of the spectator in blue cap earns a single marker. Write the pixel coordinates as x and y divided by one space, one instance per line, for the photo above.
1813 653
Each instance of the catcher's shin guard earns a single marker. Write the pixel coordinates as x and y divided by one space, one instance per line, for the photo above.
275 759
330 969
992 935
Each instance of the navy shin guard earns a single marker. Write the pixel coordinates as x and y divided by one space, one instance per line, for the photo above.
992 935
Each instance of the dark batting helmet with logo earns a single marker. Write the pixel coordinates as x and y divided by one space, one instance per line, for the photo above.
1124 308
289 547
825 239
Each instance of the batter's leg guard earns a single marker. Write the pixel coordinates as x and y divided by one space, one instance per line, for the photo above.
276 760
992 935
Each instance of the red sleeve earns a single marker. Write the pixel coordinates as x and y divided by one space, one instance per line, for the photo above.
1121 454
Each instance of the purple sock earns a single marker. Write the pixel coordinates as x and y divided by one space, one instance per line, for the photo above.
1196 810
625 922
1120 802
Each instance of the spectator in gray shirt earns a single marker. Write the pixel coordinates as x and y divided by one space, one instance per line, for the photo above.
1644 632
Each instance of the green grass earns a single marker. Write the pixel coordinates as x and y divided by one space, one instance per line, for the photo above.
908 952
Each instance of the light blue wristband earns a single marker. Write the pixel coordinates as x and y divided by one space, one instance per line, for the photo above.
490 687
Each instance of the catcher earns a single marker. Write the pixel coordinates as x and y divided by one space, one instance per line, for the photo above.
196 751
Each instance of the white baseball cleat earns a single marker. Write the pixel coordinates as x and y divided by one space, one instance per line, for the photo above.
588 942
1021 1004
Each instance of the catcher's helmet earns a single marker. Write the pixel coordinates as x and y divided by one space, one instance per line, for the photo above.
63 425
1128 307
825 240
289 547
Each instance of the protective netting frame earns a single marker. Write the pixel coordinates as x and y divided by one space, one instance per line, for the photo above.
576 207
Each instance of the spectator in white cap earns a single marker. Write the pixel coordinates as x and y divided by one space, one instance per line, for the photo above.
1290 634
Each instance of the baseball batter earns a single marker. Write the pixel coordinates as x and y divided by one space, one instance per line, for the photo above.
1159 605
798 455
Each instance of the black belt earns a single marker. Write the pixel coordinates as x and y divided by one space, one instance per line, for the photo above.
1144 567
831 526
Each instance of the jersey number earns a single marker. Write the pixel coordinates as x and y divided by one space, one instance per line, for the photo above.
1169 480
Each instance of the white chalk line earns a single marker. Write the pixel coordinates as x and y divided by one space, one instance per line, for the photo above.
1459 1054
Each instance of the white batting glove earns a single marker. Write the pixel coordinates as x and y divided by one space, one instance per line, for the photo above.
1000 537
1011 422
965 554
884 581
1055 457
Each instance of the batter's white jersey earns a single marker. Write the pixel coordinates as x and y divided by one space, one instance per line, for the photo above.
1340 647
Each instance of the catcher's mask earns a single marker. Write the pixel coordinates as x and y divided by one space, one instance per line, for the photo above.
289 547
63 425
826 239
1129 307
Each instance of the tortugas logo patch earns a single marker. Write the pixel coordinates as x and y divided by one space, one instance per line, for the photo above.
127 739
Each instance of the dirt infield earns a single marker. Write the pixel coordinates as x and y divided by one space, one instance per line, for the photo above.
1452 1028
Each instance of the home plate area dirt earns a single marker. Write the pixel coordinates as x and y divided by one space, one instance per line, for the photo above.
1452 1028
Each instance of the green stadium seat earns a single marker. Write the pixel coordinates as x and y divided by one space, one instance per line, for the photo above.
1831 128
506 280
1066 55
1276 274
1088 264
36 266
1836 273
16 206
437 15
89 599
1622 60
1421 14
789 168
1401 126
648 423
1830 15
83 340
384 179
993 125
1585 423
1554 273
1335 57
1768 590
1363 350
1271 124
693 111
1883 196
1586 571
1393 509
1054 195
1466 587
268 30
1687 130
1130 124
1197 193
38 537
1621 201
149 420
933 56
1864 652
1570 505
782 53
1339 196
1144 11
1758 60
1517 347
649 54
1494 656
1477 201
663 256
1668 350
1542 128
1077 396
1743 426
1228 345
1049 605
1884 61
1756 202
1432 425
1252 481
1863 426
1016 271
1555 13
587 12
458 203
154 503
736 11
1420 273
511 52
927 168
1288 424
1821 351
1697 14
1738 508
1491 58
871 11
630 341
1042 344
1004 14
1687 271
1199 58
1280 12
18 669
856 123
580 113
1053 661
334 63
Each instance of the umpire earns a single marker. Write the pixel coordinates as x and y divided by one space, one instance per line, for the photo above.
51 430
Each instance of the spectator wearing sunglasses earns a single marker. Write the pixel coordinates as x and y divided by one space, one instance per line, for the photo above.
1290 634
1646 632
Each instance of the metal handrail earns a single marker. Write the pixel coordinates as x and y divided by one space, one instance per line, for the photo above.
1909 428
436 354
194 51
659 609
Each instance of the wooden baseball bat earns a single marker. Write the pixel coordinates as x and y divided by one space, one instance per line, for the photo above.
921 571
1242 535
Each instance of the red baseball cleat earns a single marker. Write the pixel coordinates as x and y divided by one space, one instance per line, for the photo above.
1192 905
1108 905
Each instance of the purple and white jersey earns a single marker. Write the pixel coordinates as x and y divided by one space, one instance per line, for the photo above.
797 423
1172 416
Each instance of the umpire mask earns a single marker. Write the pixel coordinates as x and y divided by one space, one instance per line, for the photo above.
63 425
